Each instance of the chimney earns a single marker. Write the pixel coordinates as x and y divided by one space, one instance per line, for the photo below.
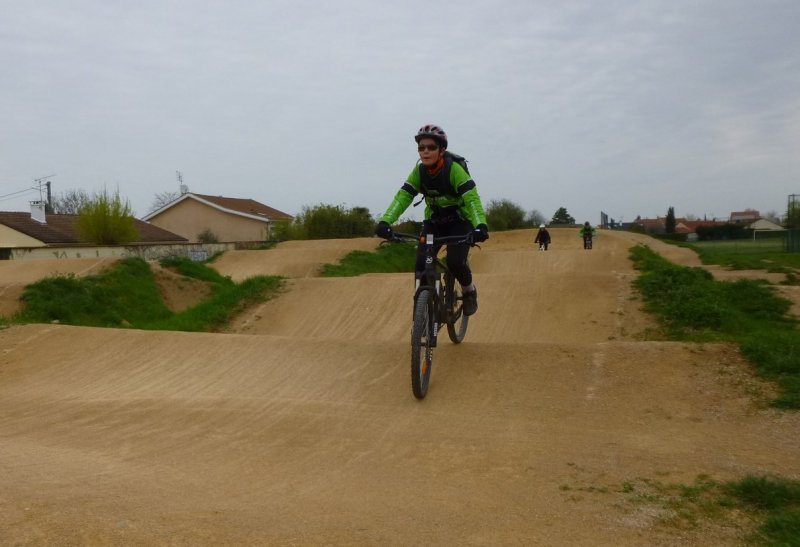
37 211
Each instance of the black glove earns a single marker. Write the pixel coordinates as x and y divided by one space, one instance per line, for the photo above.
384 230
480 234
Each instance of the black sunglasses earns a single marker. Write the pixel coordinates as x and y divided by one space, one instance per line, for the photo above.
429 147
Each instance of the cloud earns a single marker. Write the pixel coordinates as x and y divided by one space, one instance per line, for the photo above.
627 108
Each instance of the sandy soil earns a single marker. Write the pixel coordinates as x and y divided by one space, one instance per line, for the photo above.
298 427
178 291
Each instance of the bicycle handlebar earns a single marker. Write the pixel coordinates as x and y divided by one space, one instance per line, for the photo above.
457 239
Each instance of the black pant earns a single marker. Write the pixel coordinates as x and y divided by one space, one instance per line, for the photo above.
456 254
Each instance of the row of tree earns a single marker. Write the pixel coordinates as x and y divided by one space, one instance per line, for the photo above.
337 221
106 218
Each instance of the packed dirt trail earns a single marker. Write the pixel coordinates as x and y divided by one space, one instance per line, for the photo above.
298 426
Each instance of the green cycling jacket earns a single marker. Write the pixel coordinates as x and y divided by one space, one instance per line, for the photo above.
450 190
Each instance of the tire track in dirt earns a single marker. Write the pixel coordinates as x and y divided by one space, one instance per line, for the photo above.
301 428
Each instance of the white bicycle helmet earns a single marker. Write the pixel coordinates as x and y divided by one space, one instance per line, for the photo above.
434 132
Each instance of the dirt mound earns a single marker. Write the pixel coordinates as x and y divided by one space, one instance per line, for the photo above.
544 427
178 291
290 258
16 274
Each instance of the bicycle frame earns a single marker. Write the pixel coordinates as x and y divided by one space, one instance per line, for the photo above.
434 305
431 278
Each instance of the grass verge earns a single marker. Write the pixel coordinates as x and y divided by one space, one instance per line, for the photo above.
126 295
388 258
776 501
745 255
762 510
693 306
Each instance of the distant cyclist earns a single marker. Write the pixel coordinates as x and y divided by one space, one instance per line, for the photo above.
542 238
452 207
587 233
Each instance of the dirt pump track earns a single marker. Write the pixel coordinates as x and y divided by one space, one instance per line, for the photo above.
298 426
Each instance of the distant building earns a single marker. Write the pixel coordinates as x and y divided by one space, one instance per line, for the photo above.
749 215
658 225
763 224
227 219
22 233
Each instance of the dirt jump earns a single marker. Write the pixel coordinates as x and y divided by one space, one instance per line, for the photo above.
298 425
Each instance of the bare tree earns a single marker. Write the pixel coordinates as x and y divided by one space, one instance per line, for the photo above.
163 198
70 202
535 218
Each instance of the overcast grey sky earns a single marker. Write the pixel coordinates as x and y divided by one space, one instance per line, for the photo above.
628 107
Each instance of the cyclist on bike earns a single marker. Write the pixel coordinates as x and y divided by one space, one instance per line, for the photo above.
452 207
587 232
542 238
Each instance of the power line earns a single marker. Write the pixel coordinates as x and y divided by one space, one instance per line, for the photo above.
40 183
19 192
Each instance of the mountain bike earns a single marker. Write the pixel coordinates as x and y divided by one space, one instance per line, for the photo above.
437 301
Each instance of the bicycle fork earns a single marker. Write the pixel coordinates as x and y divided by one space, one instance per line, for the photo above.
433 318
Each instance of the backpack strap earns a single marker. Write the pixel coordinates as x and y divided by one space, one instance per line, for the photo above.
440 184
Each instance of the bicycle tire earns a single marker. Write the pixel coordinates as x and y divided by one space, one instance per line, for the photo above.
457 322
421 350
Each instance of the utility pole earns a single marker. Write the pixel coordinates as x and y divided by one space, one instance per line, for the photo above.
47 204
181 186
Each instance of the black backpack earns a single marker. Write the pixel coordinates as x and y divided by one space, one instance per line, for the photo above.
454 158
461 160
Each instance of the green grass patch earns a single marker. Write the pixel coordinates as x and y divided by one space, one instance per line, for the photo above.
773 503
761 254
195 269
126 295
776 501
215 312
692 306
388 258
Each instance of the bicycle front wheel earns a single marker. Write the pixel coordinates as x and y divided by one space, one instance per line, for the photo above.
421 340
457 322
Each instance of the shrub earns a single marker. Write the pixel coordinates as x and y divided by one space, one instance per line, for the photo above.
106 220
327 222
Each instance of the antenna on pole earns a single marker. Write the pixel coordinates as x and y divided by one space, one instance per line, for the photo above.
183 188
39 185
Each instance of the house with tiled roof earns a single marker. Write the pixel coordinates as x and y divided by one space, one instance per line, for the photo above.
658 225
748 215
57 235
690 226
198 217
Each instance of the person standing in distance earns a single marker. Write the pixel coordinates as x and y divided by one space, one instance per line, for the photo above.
452 207
542 238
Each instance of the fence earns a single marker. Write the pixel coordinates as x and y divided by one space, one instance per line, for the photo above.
761 242
793 241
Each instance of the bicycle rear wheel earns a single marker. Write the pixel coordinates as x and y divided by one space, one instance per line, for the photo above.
421 350
457 322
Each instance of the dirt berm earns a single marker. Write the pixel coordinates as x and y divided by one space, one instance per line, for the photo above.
298 427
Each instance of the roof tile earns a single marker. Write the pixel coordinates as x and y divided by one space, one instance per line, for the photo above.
60 229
